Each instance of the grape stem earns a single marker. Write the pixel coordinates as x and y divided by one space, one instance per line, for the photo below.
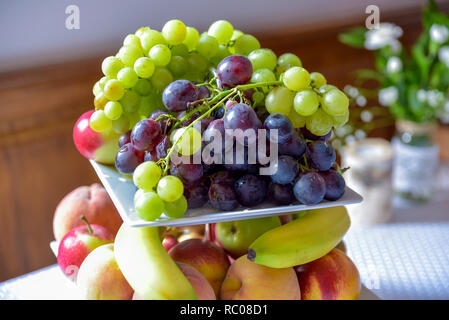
216 101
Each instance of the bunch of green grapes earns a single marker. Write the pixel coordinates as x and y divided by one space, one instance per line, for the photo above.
149 60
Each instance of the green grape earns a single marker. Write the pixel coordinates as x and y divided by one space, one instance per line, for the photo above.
188 141
142 87
221 30
113 110
114 90
263 59
306 102
174 31
132 40
191 39
335 102
160 54
149 206
121 125
161 78
139 32
197 62
110 66
127 77
137 194
317 79
319 123
147 175
100 101
296 120
289 59
103 81
245 44
129 54
339 121
296 78
144 67
326 88
236 34
262 75
258 97
150 38
176 209
222 53
133 119
130 101
96 90
180 50
170 188
280 100
178 65
207 46
147 106
99 122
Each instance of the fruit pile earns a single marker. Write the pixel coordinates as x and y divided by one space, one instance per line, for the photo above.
176 94
292 257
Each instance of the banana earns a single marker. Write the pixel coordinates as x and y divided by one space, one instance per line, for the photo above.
302 240
147 266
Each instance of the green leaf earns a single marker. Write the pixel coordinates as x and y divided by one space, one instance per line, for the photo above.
354 37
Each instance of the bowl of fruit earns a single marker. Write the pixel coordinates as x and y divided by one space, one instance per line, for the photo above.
208 128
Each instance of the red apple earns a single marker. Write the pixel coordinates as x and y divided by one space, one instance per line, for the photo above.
332 277
93 202
169 242
204 256
78 243
101 147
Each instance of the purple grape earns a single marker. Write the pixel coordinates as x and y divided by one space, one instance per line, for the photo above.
241 116
320 155
204 122
250 190
310 136
223 177
164 122
178 94
215 129
287 170
203 93
310 188
279 122
219 113
128 158
189 173
235 164
162 147
222 197
196 194
234 70
150 156
281 193
146 134
124 139
294 147
335 184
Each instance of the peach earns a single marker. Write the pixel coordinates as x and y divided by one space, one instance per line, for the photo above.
332 277
247 280
93 202
99 277
202 287
204 256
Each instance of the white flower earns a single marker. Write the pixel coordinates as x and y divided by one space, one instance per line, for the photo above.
366 116
386 34
351 91
361 101
394 64
388 96
439 33
435 98
446 106
421 94
360 134
350 139
443 55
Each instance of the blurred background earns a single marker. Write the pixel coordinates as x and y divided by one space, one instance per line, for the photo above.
47 73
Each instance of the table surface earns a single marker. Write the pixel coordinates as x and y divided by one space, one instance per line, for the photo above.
407 258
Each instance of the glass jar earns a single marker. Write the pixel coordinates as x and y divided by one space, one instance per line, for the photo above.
415 160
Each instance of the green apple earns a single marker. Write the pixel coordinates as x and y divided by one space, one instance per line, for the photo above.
236 236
